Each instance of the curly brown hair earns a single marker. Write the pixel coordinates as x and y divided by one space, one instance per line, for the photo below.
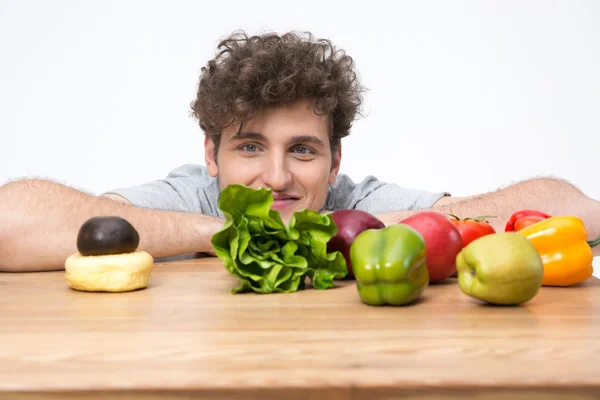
252 73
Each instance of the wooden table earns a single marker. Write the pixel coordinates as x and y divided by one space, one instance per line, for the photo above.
186 336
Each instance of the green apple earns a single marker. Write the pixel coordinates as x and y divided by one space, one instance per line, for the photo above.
502 268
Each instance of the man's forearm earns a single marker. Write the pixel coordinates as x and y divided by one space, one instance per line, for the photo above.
553 196
40 221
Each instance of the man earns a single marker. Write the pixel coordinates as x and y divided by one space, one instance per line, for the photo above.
274 110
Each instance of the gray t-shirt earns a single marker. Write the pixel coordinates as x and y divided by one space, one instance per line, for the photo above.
189 188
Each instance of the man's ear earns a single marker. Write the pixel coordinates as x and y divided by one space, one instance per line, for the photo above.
209 156
335 167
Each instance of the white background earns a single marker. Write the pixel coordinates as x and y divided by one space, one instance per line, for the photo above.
463 96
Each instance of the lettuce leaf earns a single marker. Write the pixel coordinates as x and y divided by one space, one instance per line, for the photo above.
268 256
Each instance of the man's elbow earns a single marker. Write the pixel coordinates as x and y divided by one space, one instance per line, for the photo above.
8 263
12 260
13 205
17 255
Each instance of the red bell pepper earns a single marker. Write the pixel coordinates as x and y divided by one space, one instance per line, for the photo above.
522 218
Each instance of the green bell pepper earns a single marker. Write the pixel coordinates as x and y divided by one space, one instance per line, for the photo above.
389 265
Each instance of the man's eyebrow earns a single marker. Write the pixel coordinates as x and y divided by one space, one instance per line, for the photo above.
249 135
306 139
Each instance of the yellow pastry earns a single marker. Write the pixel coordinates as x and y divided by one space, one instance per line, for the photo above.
109 273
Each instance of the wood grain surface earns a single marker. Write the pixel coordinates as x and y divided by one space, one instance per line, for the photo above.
186 336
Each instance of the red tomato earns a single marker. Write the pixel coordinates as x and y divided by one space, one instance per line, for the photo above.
472 228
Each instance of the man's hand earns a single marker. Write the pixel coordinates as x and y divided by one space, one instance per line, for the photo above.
40 220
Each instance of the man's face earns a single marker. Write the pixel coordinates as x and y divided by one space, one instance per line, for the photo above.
286 150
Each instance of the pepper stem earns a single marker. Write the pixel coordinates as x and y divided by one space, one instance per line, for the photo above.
594 242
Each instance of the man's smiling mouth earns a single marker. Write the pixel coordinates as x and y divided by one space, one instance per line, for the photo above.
283 201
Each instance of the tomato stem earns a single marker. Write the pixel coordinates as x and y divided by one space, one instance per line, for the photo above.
483 217
479 218
453 216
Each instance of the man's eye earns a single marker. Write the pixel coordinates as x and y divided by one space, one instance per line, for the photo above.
250 148
303 150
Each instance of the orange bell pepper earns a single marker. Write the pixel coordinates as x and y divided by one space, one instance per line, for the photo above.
562 244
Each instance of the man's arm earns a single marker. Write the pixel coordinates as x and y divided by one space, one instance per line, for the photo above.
40 220
553 196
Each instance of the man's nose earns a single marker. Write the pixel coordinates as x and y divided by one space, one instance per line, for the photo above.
277 175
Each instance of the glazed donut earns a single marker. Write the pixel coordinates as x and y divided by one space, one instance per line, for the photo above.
107 259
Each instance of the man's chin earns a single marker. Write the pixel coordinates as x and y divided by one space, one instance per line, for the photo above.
287 212
286 215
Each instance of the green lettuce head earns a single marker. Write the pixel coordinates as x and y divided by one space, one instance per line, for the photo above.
268 256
